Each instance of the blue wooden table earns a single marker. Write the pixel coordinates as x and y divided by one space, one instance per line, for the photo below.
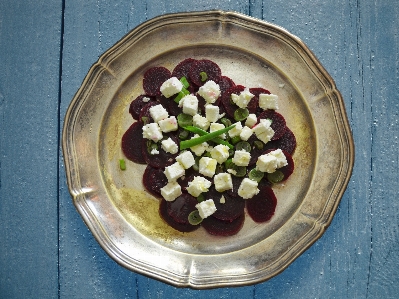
47 48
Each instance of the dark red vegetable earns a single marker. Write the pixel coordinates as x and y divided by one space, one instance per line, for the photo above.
211 69
229 106
154 78
287 142
181 207
162 159
153 180
262 206
131 143
138 104
182 227
219 227
278 122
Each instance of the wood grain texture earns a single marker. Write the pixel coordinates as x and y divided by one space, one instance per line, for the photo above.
46 251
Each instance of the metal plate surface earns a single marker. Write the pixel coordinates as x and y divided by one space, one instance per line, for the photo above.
124 218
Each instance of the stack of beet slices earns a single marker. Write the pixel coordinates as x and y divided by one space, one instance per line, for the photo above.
230 214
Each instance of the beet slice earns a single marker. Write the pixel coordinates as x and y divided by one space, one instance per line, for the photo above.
289 168
225 84
223 228
138 104
153 180
287 142
181 227
181 207
145 111
154 78
261 207
183 70
278 122
228 211
253 105
256 91
131 143
209 67
162 159
229 106
236 184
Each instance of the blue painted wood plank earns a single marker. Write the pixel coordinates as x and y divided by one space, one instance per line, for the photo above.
29 97
357 257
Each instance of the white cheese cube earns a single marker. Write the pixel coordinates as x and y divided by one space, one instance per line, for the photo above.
171 87
236 130
222 199
207 166
251 120
241 158
281 159
201 122
266 163
154 151
248 188
210 91
186 159
198 185
220 153
212 113
215 127
246 132
152 131
268 101
174 171
263 131
168 124
223 182
171 191
158 112
169 146
243 99
199 149
206 208
189 103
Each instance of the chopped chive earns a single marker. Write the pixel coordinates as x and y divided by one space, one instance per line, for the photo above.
258 144
240 114
241 171
194 218
183 134
195 141
225 121
184 120
201 197
243 145
235 139
275 177
255 175
145 120
181 95
201 132
184 81
122 164
204 76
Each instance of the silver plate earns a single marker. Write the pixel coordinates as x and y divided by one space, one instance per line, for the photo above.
124 218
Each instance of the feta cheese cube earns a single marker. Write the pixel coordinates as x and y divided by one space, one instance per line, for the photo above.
251 120
281 158
189 103
206 208
171 191
243 99
212 113
171 87
266 163
263 131
186 159
236 130
215 127
198 185
268 101
223 182
220 153
168 124
246 132
158 112
174 171
201 122
248 188
210 91
222 199
152 131
154 151
199 149
169 146
207 166
241 158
